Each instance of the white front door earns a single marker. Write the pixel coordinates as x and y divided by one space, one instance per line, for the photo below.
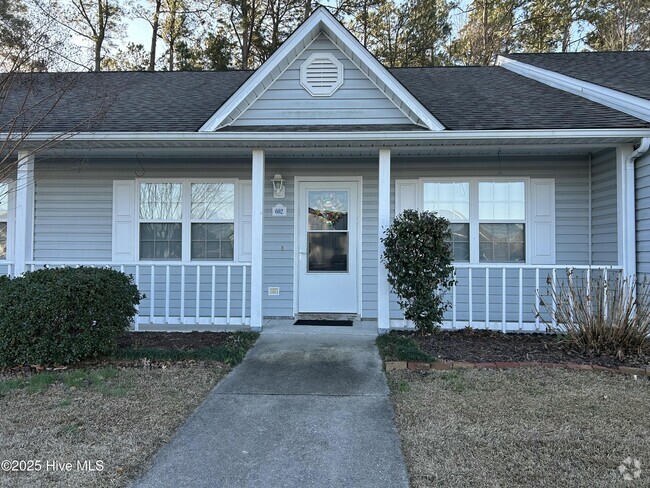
328 236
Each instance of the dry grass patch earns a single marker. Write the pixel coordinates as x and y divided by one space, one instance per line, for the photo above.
515 428
118 416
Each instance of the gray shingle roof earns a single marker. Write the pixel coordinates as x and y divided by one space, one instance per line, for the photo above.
469 98
483 98
628 72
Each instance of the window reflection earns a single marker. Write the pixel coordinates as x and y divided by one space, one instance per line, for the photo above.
161 201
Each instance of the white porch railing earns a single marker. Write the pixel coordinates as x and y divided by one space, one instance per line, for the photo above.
509 288
6 268
506 297
210 293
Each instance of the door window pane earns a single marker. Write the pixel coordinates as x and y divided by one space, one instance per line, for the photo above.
501 200
161 201
161 241
213 201
328 210
448 199
503 243
213 241
328 251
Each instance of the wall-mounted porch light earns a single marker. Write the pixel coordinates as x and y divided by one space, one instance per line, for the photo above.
278 186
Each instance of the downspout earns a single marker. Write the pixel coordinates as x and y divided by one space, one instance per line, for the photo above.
630 203
589 213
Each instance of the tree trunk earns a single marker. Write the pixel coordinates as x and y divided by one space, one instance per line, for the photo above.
484 56
154 35
307 9
101 32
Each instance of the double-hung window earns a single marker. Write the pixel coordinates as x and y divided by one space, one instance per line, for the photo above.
450 199
187 220
502 221
487 217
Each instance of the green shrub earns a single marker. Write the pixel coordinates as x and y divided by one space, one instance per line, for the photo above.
393 347
418 259
64 315
601 316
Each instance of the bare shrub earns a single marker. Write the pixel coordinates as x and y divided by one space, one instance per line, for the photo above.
600 315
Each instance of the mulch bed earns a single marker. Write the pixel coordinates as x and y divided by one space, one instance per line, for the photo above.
481 346
185 341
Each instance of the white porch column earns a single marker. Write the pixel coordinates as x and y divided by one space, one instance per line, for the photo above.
383 288
625 210
258 239
24 215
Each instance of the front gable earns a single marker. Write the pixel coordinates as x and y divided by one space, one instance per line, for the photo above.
341 84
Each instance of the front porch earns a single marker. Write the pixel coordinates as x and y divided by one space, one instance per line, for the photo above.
55 223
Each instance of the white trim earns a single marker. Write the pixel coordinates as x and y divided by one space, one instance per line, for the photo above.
474 221
383 287
257 252
296 229
321 19
622 208
186 216
384 137
24 216
626 204
630 104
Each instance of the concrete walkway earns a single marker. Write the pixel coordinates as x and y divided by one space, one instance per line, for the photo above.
302 410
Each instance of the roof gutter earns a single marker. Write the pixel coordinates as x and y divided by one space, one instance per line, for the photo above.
386 137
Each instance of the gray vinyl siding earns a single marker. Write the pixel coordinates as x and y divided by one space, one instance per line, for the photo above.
279 235
73 222
603 217
643 214
358 101
571 226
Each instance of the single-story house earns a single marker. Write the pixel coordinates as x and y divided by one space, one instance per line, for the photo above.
234 197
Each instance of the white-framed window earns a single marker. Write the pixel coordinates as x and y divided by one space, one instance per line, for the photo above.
502 221
4 219
183 220
450 199
487 216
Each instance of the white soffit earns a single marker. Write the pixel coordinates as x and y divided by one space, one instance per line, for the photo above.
320 21
623 102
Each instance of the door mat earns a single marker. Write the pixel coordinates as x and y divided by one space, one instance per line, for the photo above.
339 323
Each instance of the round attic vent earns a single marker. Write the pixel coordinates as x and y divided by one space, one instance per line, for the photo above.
321 74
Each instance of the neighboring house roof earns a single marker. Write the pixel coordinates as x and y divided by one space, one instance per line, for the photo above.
619 80
462 98
488 98
627 72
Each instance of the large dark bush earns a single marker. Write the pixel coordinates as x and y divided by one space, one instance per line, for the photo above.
64 315
418 259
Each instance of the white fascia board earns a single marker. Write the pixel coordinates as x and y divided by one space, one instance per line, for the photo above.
623 102
406 136
321 17
306 29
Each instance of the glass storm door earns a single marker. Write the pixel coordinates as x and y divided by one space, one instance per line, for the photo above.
327 247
